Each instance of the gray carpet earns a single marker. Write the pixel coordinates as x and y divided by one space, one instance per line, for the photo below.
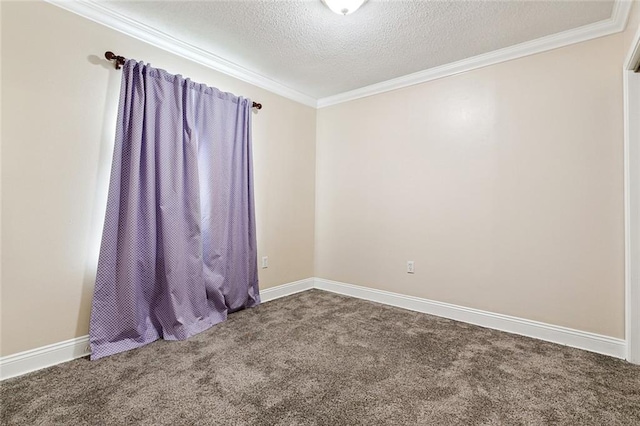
317 358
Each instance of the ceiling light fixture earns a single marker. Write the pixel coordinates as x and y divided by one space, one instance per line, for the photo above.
343 7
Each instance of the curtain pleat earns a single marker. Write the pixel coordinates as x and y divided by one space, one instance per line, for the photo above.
178 249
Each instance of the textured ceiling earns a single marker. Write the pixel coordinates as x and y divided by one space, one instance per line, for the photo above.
305 46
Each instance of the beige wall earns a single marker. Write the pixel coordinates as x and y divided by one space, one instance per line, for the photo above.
503 184
57 140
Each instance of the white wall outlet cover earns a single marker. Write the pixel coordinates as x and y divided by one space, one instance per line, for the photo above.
410 267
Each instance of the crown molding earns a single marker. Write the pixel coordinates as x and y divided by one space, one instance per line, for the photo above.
620 14
101 14
615 24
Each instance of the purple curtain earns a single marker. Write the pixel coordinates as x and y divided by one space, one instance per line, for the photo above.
178 248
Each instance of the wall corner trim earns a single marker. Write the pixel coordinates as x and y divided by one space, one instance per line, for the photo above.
551 333
615 24
102 14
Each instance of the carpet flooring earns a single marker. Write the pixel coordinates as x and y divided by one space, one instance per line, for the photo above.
317 358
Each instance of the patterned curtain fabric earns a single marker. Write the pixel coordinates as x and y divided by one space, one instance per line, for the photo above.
179 246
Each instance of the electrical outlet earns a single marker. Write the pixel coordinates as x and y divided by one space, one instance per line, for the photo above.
410 267
265 262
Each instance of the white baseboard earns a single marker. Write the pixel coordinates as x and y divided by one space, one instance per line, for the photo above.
42 357
57 353
283 290
538 330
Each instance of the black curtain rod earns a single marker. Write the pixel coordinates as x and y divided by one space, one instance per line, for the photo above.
119 62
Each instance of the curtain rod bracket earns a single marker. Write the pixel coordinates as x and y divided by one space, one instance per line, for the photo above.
119 60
